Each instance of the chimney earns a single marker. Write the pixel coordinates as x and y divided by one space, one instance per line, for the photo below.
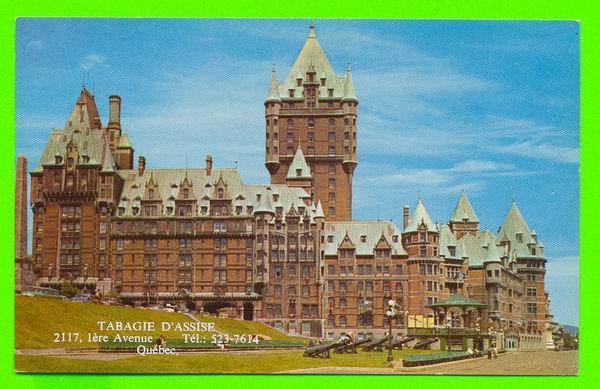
141 165
114 111
208 164
405 217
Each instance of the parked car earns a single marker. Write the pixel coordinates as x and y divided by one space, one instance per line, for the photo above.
82 298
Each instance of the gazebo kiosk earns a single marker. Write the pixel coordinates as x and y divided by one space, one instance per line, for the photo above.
452 334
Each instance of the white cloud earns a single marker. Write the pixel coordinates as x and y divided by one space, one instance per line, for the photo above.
91 60
543 151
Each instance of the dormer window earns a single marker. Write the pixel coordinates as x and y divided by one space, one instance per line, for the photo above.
151 194
258 197
203 210
298 82
185 193
298 172
452 251
330 92
291 93
57 159
238 209
220 193
323 79
520 237
275 197
329 238
301 210
363 238
85 159
395 238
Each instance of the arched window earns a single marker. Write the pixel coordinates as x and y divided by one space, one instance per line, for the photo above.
399 289
186 193
220 193
332 122
290 123
150 193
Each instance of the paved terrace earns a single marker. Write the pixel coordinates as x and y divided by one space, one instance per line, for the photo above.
511 363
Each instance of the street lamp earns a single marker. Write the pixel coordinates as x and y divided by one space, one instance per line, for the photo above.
391 313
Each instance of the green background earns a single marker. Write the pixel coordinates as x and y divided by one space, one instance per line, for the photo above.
584 11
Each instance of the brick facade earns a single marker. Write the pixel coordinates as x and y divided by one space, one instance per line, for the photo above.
286 253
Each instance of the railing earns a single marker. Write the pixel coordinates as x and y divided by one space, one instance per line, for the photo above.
445 331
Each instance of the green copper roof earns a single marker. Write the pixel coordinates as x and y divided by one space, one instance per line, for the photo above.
299 168
419 215
463 210
82 132
457 300
349 94
492 252
319 210
273 88
312 57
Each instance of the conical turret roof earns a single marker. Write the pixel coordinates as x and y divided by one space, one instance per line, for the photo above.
273 95
349 94
464 210
419 215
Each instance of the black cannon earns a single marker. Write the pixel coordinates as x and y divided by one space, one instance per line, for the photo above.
397 344
424 343
322 350
350 348
375 345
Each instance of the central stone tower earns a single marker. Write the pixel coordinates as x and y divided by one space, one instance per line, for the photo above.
314 109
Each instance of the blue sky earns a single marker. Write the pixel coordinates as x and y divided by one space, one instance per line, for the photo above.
490 107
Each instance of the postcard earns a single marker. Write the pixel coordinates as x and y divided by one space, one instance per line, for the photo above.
291 196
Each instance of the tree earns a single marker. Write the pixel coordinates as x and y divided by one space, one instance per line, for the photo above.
69 290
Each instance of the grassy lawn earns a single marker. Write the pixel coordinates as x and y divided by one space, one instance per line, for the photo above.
38 318
234 326
216 363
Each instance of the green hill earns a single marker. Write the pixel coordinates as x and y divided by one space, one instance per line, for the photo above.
243 327
39 321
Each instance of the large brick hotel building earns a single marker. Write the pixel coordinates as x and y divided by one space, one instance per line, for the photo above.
286 253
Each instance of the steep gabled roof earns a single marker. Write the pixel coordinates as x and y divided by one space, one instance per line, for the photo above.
83 134
312 56
419 215
300 166
514 228
514 223
492 252
364 235
319 210
464 210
